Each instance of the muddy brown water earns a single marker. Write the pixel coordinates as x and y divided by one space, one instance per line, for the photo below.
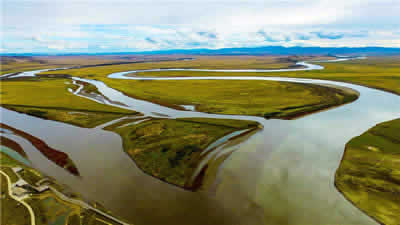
283 174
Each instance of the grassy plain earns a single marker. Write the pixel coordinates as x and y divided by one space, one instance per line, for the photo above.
49 98
49 209
225 97
11 211
381 73
259 98
170 149
49 93
14 64
377 72
369 174
210 62
81 118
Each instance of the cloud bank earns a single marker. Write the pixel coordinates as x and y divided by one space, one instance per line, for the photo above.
137 25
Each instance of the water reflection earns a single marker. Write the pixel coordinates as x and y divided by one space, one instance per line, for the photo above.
281 175
288 170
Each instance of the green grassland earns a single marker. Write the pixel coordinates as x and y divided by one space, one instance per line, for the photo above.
10 64
267 98
381 73
49 98
259 98
11 211
14 64
81 118
369 174
48 93
377 72
13 177
49 209
210 62
15 213
232 97
170 149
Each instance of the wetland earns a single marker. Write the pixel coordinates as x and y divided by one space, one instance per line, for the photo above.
257 149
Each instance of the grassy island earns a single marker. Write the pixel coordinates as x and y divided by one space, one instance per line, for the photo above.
170 149
268 99
369 174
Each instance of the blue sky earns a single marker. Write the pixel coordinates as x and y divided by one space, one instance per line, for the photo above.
58 26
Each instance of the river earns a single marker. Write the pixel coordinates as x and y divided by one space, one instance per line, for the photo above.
283 174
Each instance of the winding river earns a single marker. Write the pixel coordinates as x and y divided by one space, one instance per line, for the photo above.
283 174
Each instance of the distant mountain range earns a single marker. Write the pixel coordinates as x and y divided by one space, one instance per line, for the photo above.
267 50
279 50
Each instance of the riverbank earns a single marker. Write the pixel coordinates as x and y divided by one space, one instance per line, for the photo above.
375 72
269 99
12 145
276 171
37 199
171 149
58 157
369 173
52 98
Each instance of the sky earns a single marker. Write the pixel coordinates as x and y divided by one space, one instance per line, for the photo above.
63 26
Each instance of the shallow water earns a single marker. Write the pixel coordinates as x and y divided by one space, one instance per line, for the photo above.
283 174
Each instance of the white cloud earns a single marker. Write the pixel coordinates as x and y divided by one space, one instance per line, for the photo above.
88 24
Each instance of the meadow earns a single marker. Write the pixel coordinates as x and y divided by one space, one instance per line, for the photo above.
369 174
49 98
170 149
11 207
259 98
15 64
268 99
376 72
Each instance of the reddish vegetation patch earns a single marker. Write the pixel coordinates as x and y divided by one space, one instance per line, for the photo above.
12 145
58 157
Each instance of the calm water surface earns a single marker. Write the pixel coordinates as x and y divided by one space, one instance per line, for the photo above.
283 174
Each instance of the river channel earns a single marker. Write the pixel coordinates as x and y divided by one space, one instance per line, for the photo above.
283 174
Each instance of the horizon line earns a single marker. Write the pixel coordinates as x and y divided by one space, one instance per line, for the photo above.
165 51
